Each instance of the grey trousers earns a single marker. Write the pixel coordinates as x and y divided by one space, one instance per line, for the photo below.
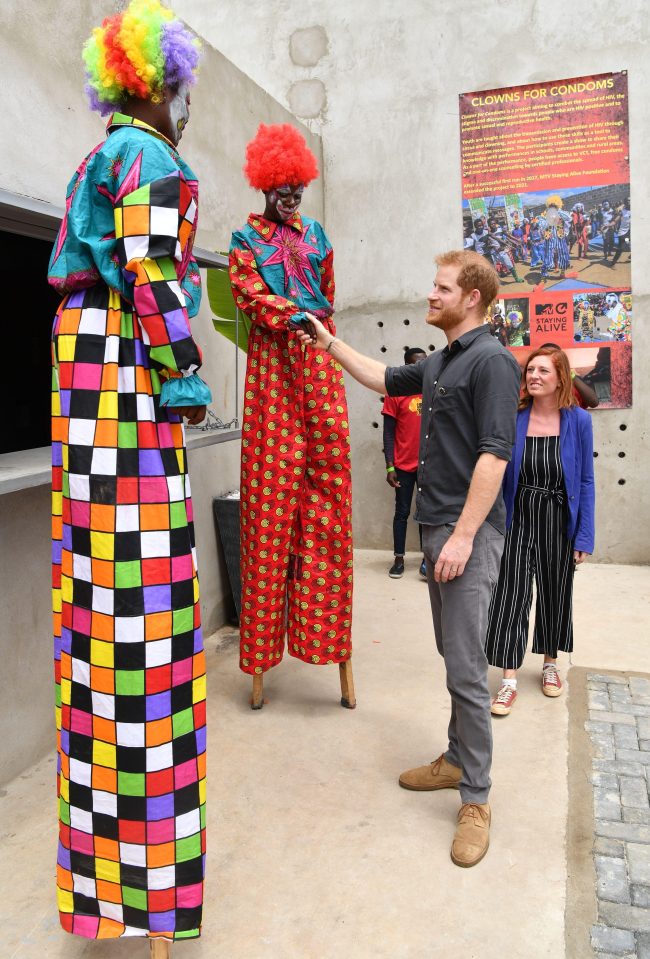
460 617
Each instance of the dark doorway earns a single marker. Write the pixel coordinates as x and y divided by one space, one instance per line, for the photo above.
29 308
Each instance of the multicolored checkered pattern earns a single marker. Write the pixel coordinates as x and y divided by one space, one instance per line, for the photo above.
153 225
129 658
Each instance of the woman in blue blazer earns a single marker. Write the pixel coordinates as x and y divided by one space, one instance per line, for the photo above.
548 490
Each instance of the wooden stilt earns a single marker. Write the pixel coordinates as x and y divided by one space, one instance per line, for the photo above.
348 699
258 692
160 948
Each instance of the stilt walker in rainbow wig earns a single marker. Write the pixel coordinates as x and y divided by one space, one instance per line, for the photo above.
296 539
129 655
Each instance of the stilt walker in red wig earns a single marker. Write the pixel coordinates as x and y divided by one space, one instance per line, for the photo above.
296 538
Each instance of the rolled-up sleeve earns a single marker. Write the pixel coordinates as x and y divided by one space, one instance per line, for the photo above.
496 397
404 380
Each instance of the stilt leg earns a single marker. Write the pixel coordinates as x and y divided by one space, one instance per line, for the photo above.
348 699
160 948
258 692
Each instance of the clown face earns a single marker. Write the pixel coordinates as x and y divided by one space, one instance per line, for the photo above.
179 112
282 202
611 300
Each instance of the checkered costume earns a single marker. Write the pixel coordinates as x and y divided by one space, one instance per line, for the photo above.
296 536
129 659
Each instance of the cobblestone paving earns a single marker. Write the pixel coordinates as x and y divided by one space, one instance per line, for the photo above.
619 728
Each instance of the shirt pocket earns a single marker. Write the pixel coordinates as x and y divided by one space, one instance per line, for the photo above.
445 400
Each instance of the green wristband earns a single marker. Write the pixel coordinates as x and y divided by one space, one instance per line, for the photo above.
390 469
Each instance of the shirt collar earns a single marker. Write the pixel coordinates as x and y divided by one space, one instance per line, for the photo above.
465 340
117 120
266 228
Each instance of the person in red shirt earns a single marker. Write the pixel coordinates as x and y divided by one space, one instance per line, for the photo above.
402 415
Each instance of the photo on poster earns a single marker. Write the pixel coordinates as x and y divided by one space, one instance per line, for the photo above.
594 366
509 321
564 239
601 317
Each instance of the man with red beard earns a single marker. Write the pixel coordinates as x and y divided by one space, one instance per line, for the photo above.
470 392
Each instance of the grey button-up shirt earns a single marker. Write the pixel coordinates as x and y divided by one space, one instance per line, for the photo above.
470 393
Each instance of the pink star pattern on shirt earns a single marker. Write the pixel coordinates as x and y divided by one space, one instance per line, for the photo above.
292 253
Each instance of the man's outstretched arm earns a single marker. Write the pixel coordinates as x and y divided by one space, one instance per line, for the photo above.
368 372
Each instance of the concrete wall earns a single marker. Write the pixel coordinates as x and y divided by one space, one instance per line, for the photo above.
47 131
380 81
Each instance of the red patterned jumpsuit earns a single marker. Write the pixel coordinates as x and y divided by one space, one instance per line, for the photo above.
296 537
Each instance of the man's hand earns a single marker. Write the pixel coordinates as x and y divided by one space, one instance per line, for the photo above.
305 326
193 414
312 332
392 480
453 558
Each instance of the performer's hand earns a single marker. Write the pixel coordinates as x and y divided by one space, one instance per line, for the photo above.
193 414
313 333
392 480
453 558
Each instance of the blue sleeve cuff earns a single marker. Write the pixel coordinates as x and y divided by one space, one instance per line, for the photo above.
185 391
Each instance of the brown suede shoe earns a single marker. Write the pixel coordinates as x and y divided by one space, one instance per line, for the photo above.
472 834
437 775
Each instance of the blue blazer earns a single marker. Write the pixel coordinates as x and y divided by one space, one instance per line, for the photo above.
577 456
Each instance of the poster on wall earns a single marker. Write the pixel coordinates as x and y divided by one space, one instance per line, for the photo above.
546 199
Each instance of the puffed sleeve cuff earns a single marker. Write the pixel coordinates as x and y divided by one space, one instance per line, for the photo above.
186 390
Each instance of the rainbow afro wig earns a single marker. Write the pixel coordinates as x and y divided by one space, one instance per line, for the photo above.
279 155
136 53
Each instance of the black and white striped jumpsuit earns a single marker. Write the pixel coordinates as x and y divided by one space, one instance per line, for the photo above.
536 546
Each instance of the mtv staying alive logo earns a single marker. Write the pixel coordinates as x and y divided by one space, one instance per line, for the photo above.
552 317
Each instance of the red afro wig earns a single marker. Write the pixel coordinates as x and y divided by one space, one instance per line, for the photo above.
277 155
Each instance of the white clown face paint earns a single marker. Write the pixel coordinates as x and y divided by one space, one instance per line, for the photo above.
284 201
179 111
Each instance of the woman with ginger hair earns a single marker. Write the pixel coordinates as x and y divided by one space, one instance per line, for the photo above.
548 490
296 538
129 654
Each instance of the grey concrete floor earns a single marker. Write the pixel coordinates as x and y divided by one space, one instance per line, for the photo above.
313 849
